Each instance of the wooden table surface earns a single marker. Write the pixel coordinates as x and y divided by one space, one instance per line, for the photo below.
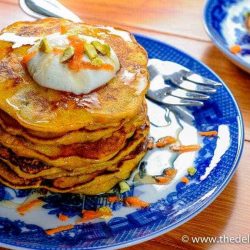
178 23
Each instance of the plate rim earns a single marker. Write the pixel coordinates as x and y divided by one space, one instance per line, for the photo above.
241 138
221 46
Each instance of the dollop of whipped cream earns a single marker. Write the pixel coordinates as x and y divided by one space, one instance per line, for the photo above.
48 70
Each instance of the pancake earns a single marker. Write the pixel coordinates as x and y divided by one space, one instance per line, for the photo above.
32 168
101 149
48 110
65 142
11 126
68 163
90 184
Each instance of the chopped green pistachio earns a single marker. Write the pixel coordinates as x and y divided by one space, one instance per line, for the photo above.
124 187
90 51
191 171
97 61
67 54
104 49
44 46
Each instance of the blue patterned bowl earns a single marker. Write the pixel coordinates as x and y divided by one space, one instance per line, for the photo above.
171 205
224 23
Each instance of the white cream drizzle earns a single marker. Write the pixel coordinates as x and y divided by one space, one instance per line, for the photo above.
18 41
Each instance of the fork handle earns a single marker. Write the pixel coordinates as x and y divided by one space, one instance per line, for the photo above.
161 69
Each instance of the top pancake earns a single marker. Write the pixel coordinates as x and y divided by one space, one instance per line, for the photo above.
47 110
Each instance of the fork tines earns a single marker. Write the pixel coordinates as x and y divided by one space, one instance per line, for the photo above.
182 87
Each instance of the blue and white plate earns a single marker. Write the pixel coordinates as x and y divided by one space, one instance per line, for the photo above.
225 24
171 205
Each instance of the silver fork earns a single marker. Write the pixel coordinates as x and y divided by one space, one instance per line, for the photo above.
173 84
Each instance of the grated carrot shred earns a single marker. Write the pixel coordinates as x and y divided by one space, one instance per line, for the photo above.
113 199
208 133
170 172
78 45
163 179
185 148
89 215
102 212
27 206
168 176
28 57
164 141
134 201
235 49
63 217
185 180
59 229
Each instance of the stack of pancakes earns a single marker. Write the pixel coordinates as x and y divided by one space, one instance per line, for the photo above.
71 143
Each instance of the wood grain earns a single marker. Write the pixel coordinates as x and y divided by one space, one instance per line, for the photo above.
178 23
10 13
183 18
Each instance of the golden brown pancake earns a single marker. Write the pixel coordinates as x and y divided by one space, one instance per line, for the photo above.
48 110
94 183
28 167
11 126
